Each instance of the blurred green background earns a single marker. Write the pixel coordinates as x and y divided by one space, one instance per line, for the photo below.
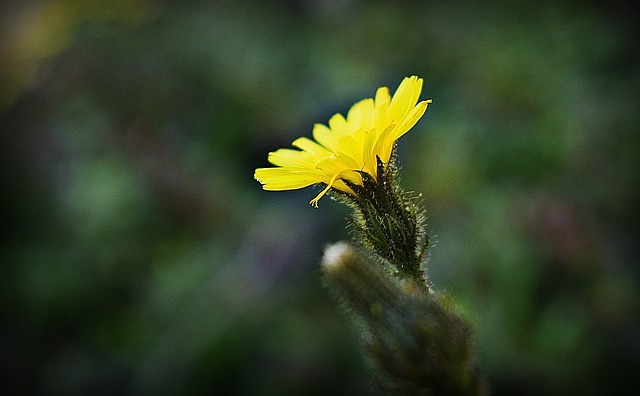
140 257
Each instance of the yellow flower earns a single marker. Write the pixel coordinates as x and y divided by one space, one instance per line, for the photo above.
348 145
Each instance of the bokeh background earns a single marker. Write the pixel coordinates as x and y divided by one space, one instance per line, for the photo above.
140 257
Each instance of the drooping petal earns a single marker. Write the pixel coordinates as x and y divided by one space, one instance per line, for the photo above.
348 174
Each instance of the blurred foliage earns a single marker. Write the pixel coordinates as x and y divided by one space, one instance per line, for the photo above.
139 257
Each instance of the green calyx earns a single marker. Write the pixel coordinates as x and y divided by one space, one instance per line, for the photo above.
389 222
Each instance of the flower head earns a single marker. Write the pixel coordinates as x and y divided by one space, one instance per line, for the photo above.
347 146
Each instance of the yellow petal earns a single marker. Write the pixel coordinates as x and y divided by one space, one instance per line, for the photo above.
404 98
410 120
384 145
362 115
382 105
350 152
292 158
339 126
279 179
311 147
325 137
